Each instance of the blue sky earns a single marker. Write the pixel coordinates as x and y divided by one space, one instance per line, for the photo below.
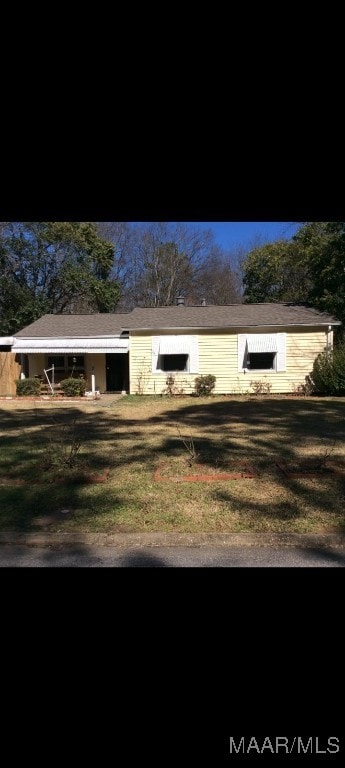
229 234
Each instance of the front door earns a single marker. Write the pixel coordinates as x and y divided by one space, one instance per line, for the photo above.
117 369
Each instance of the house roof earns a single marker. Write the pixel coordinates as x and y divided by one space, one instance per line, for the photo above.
227 316
50 326
147 318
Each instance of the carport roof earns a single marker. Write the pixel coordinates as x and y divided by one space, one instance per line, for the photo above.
50 326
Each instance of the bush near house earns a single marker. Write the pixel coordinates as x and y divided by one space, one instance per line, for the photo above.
261 387
172 387
28 387
73 387
204 385
328 374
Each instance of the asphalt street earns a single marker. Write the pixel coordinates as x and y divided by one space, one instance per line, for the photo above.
93 556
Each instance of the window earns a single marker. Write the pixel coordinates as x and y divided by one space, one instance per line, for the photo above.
67 364
179 352
261 361
58 361
261 352
173 362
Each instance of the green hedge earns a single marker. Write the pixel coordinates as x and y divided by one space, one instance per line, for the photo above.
328 374
28 387
73 387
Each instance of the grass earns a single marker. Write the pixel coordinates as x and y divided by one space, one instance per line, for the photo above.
134 435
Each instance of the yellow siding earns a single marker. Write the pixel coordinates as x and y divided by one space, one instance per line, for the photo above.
302 347
140 368
218 355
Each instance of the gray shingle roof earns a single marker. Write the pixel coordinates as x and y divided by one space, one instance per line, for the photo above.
227 316
75 325
231 315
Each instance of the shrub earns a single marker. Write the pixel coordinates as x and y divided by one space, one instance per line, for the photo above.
73 387
172 388
328 374
204 385
28 386
261 387
62 447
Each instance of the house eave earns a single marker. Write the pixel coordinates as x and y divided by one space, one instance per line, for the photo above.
316 324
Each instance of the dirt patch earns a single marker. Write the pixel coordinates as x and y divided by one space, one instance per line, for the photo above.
177 470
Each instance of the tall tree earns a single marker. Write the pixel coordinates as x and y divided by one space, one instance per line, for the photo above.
167 259
218 281
166 272
309 268
323 246
276 272
53 267
122 236
155 261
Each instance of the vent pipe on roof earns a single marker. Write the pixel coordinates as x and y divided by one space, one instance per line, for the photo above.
180 301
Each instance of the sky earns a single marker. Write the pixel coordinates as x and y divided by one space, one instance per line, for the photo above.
229 234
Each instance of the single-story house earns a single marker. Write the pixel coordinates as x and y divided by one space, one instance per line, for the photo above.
135 351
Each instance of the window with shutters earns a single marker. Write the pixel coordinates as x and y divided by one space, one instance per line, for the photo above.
175 353
262 352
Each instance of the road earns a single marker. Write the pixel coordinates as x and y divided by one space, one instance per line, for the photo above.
81 556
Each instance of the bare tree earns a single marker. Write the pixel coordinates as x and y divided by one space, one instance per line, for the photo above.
218 280
156 260
123 239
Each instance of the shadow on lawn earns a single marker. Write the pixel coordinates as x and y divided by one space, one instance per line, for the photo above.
260 430
274 428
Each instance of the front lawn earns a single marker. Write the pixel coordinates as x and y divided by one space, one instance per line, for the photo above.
46 448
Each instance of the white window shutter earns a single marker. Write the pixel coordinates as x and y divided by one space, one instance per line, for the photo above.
155 352
281 354
241 348
194 355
